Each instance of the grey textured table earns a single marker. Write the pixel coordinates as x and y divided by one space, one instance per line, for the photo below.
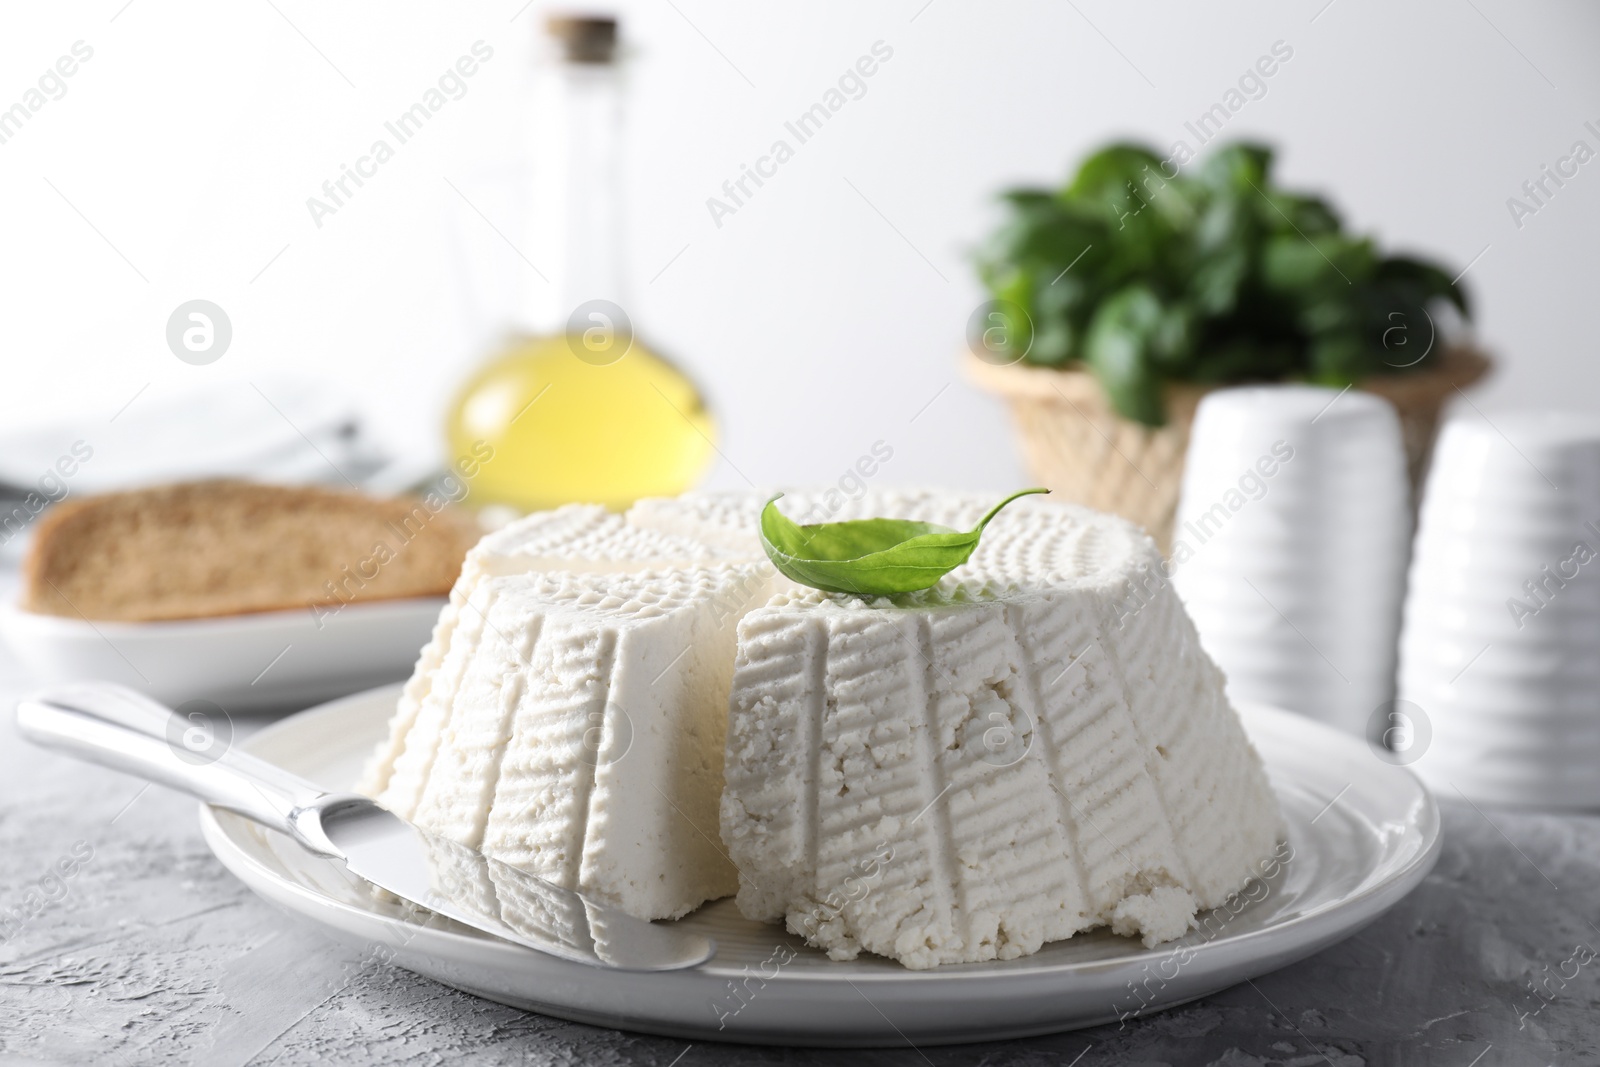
150 952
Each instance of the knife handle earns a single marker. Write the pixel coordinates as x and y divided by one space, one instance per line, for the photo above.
127 731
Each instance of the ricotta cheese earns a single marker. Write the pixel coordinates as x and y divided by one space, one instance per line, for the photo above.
970 772
569 713
967 773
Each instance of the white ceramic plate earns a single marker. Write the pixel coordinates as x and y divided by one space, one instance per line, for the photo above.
1352 859
243 662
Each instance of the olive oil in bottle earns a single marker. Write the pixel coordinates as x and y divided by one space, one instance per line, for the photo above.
583 411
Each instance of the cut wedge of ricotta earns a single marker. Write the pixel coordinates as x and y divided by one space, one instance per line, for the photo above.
639 707
568 716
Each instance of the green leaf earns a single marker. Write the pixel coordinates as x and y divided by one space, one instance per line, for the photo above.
1216 280
1243 166
1037 232
1435 283
1127 186
1338 359
1291 263
1241 357
1025 198
1292 213
1016 334
1120 350
1108 172
869 557
1213 274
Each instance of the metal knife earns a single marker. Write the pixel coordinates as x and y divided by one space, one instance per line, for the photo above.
119 728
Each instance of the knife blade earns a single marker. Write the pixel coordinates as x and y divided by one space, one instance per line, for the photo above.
120 728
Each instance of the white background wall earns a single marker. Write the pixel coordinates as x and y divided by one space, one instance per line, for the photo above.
822 317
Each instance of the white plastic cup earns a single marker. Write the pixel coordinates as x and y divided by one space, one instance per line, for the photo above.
1291 545
1500 651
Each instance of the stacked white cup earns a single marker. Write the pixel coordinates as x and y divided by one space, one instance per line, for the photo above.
1291 546
1500 654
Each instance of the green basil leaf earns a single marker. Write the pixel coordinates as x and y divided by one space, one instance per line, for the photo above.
1284 212
1338 359
1434 282
1014 337
1241 166
1105 176
1216 281
1145 275
1118 349
869 557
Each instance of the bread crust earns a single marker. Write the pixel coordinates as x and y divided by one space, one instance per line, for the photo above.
217 548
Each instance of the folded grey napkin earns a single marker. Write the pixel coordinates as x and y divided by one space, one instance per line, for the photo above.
278 429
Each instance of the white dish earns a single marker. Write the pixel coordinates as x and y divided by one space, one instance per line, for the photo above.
243 662
1363 834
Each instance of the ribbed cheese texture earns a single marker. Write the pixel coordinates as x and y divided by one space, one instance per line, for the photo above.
1035 747
569 713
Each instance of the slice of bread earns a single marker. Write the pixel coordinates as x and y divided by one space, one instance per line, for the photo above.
205 549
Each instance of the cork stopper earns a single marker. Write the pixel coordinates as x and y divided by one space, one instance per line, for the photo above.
584 38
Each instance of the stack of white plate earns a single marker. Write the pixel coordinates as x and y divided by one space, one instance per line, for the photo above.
1291 546
1501 649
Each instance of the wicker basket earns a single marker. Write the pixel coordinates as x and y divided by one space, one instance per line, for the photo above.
1078 446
